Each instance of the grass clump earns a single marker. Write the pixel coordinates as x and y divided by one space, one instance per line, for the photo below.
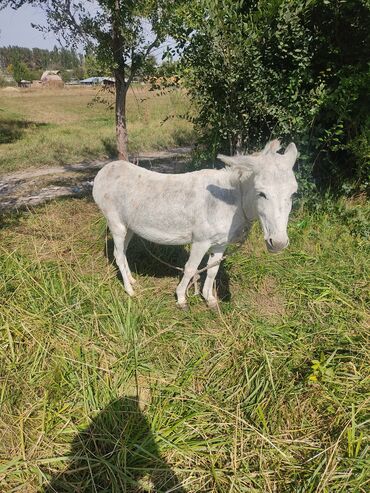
102 393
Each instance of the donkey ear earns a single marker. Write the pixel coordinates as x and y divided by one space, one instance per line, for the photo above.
241 161
272 146
291 154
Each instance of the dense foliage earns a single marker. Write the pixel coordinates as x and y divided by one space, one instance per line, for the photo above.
281 68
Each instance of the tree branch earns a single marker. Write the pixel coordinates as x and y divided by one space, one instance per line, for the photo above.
143 55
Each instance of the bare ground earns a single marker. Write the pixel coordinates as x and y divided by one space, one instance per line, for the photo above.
36 186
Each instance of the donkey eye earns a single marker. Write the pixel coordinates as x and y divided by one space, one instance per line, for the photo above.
261 194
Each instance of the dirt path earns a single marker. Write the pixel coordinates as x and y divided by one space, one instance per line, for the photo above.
35 186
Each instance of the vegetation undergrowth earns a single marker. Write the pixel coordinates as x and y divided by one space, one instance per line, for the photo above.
102 393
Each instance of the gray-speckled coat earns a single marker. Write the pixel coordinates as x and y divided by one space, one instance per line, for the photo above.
208 208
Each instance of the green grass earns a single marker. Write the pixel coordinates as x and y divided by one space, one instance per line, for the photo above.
42 127
269 395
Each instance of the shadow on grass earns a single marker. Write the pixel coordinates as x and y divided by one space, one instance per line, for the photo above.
183 137
141 261
9 219
110 147
12 130
165 164
172 165
117 452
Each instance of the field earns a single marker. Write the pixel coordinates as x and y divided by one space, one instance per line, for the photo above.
102 393
41 127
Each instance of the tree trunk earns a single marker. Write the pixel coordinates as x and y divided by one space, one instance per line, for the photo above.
121 85
121 122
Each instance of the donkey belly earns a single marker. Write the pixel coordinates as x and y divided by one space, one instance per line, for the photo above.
158 219
159 225
157 233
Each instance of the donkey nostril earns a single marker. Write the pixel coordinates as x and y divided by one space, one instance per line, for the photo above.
271 243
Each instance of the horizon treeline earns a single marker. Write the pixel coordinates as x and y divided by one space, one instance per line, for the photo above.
29 63
40 58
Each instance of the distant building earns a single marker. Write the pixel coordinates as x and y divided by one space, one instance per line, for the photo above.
73 82
24 83
105 81
92 81
109 81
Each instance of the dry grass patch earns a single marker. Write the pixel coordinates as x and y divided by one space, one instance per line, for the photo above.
62 232
43 127
267 301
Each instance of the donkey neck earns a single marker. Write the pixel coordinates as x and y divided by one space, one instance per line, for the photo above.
248 198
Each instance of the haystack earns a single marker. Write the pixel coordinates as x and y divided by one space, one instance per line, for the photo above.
51 78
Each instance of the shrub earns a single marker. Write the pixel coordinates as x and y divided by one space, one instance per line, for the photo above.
279 68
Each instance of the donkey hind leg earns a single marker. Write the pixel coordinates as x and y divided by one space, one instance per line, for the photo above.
197 252
129 235
119 232
208 287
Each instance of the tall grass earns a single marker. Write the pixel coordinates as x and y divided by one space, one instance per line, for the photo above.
102 393
40 127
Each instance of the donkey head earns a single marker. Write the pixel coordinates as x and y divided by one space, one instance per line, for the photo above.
271 185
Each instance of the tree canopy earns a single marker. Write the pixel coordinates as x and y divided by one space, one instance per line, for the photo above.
292 69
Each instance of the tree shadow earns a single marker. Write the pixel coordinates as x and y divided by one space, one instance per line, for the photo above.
143 259
110 147
9 219
116 453
173 165
12 130
176 163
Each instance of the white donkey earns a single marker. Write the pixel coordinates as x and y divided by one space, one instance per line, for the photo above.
207 208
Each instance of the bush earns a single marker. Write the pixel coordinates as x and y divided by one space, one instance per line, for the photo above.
289 69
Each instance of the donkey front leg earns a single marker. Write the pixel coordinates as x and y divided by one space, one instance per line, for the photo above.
119 232
197 252
208 288
128 237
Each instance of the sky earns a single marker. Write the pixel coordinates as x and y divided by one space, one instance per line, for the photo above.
15 28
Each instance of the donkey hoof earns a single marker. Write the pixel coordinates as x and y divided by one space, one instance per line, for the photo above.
182 306
130 292
213 305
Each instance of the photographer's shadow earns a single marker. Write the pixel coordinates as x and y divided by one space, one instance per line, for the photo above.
116 453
